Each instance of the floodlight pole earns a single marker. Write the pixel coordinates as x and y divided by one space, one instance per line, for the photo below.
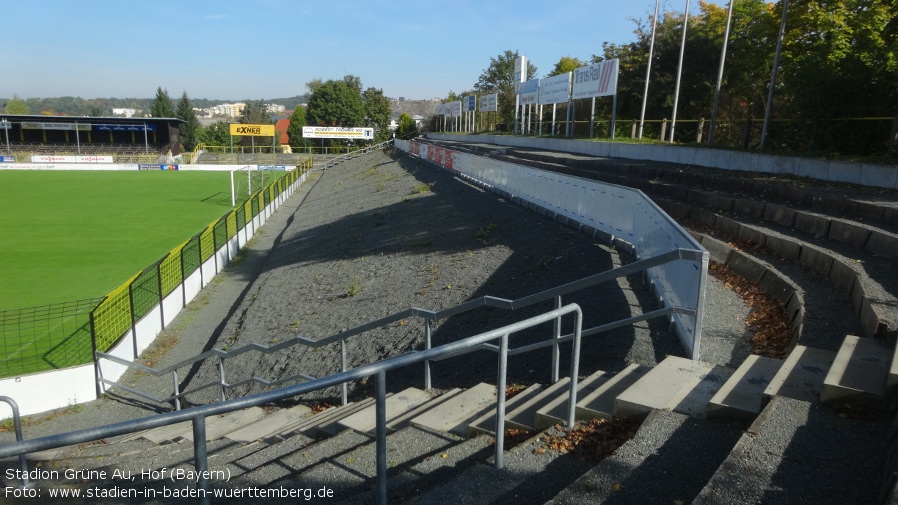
648 71
673 121
723 55
776 65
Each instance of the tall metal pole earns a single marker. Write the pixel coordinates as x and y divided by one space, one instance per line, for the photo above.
648 70
776 65
723 55
673 119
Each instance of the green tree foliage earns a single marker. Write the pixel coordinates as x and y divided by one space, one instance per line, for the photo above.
162 105
336 103
294 130
566 64
498 77
377 113
16 105
217 134
407 128
190 129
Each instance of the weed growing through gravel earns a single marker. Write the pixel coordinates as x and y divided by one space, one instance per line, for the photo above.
354 287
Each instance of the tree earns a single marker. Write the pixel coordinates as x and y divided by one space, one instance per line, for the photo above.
407 128
255 112
190 129
336 103
217 134
162 104
377 113
498 77
294 130
566 64
96 111
16 105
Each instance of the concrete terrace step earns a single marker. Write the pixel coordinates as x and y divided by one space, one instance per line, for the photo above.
800 452
556 411
365 420
677 384
216 427
600 403
323 423
742 396
401 421
802 374
270 424
458 412
859 372
486 423
662 463
527 477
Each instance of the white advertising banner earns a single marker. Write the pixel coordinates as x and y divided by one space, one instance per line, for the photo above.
520 72
599 79
336 132
555 89
529 92
489 103
49 158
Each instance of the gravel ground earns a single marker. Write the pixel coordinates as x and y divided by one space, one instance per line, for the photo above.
379 235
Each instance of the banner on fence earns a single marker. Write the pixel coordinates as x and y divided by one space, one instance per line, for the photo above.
253 130
336 132
49 158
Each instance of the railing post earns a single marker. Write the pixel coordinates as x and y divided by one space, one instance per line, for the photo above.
381 436
177 389
663 129
500 402
555 337
575 369
201 457
343 368
427 345
17 423
221 378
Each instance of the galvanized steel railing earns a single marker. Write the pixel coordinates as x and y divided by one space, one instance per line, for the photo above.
198 415
348 156
429 318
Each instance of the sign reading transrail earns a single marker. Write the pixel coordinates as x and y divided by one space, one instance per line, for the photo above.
336 132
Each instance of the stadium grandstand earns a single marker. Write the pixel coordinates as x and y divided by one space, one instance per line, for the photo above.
37 138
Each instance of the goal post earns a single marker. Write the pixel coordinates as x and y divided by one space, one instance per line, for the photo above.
245 181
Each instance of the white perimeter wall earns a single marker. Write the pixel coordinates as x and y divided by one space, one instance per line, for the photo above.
618 212
866 174
40 392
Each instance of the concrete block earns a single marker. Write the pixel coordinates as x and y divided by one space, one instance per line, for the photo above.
859 372
879 176
704 217
812 224
270 424
675 210
801 375
742 396
749 208
746 266
819 261
727 226
780 214
365 420
848 233
882 244
841 171
600 402
843 276
795 306
698 198
455 414
858 293
753 235
776 285
720 252
720 202
813 168
830 204
784 247
666 385
557 410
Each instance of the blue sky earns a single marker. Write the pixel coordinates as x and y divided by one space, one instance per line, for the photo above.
259 49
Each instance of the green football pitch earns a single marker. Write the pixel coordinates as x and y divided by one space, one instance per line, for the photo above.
70 235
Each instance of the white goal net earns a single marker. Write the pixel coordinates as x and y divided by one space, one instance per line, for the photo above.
245 182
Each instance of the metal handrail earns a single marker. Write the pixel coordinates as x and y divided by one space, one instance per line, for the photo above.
343 157
198 415
17 425
429 317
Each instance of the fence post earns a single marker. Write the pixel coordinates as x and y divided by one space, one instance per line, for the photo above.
663 129
633 130
698 135
427 344
893 137
746 133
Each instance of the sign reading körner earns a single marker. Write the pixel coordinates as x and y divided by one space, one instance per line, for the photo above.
337 132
